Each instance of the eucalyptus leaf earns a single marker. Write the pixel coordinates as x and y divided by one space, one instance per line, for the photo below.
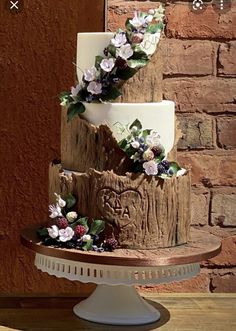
125 74
112 94
96 227
98 60
112 50
174 167
146 133
123 143
75 109
70 201
42 232
87 246
136 123
139 63
154 28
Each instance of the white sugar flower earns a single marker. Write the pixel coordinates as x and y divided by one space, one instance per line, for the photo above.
135 144
138 21
90 74
148 155
94 88
75 90
181 172
60 201
150 168
125 52
66 234
119 39
153 139
55 211
53 231
148 19
107 64
71 216
86 237
151 11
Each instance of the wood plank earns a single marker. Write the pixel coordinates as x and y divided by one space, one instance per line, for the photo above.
180 312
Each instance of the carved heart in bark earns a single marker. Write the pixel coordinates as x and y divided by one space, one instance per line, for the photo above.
124 207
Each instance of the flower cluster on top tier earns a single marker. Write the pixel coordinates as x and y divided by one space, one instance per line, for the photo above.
127 52
72 231
145 149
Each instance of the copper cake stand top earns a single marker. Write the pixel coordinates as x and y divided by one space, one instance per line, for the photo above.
202 246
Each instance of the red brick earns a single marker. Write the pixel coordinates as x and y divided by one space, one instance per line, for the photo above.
212 168
200 94
196 284
226 132
224 283
227 257
200 200
188 57
227 59
223 211
197 132
183 23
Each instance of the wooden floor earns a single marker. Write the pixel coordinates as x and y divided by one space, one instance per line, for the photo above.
179 312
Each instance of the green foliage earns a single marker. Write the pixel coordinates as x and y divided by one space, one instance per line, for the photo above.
96 227
70 201
87 246
42 232
174 167
75 109
98 60
136 123
126 74
112 50
136 64
112 93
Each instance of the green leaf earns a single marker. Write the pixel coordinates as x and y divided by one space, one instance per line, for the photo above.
97 226
128 25
70 201
139 54
87 246
111 94
174 167
136 123
63 95
123 143
160 157
112 50
98 60
139 63
146 132
154 28
42 232
74 109
126 73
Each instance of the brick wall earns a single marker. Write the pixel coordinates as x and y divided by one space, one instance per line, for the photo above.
200 76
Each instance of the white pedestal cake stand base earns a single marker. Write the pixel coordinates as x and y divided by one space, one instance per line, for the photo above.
115 300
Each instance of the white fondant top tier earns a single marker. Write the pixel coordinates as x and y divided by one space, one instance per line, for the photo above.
89 45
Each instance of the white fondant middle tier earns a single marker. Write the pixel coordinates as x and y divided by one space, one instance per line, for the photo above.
159 116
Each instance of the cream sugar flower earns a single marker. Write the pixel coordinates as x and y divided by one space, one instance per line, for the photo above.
90 74
153 139
55 211
60 201
53 231
107 64
75 90
71 216
66 234
94 88
119 39
125 52
150 168
138 21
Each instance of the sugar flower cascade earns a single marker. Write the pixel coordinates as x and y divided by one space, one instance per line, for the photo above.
127 52
69 230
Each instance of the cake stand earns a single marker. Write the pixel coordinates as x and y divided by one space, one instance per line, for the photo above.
115 300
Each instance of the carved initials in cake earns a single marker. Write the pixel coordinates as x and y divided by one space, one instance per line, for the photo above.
123 206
